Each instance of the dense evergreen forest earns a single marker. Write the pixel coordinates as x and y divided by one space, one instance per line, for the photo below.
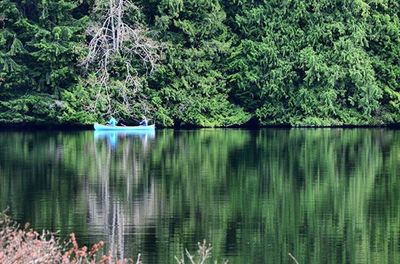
208 62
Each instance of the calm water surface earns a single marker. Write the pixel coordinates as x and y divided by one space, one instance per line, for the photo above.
324 195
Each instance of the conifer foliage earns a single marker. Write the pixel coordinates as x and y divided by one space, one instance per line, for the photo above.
218 62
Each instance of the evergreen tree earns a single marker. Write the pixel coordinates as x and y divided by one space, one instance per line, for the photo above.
191 83
327 62
311 62
38 55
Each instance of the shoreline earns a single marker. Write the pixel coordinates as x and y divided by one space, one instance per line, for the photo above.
84 127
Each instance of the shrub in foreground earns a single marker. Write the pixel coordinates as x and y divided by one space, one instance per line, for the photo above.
24 245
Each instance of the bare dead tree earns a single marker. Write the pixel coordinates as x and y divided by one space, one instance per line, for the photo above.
113 40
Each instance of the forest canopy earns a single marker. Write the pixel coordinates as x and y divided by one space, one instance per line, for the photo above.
201 62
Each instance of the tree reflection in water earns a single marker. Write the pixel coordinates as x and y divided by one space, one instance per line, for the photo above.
324 195
111 213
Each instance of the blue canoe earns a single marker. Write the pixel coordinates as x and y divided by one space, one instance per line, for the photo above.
99 127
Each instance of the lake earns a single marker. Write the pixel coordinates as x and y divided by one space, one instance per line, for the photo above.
323 195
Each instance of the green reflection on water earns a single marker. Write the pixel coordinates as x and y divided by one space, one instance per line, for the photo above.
325 195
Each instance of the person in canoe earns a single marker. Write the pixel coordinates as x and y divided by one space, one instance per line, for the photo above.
112 122
121 122
144 121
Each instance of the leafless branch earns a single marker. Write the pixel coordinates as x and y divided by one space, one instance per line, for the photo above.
114 40
203 254
293 258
